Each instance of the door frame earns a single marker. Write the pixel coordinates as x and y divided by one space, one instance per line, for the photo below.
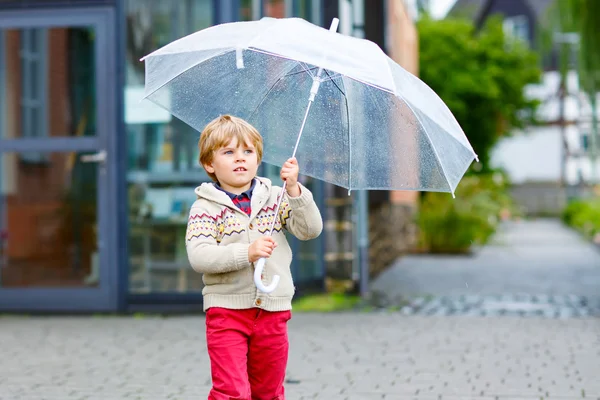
106 296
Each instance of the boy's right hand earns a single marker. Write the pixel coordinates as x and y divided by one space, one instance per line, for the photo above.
262 247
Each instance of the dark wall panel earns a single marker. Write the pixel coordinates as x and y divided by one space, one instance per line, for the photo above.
20 4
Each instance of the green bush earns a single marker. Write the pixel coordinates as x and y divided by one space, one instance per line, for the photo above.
448 225
583 215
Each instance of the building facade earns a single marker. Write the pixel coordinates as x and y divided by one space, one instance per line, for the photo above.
95 184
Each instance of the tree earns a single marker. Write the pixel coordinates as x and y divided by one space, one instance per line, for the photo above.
480 75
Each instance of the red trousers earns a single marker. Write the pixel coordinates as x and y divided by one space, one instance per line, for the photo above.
248 352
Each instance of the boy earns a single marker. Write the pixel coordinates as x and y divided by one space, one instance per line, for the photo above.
246 330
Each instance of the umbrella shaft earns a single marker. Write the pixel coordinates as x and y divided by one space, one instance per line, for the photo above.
313 92
310 101
302 128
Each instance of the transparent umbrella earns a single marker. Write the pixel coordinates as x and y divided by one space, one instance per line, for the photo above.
350 114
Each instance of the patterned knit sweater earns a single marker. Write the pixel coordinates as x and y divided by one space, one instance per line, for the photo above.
219 235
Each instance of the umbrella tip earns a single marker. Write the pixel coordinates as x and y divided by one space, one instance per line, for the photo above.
334 25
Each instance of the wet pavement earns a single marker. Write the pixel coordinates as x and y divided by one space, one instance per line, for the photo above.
375 355
532 268
517 320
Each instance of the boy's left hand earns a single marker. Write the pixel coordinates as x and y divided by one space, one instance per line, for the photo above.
289 173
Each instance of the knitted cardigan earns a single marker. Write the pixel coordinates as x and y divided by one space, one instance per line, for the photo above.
219 234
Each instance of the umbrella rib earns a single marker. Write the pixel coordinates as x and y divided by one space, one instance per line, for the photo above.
296 73
389 68
437 156
388 59
306 68
336 85
271 88
349 138
374 100
363 81
426 134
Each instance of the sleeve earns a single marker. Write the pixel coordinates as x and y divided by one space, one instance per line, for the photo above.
205 253
300 215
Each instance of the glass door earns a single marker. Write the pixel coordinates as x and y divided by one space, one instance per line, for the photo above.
57 126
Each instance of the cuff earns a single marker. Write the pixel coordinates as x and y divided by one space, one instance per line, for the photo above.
305 198
240 255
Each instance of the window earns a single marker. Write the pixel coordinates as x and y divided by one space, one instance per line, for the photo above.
34 89
277 8
585 142
2 85
305 9
517 27
256 9
162 159
158 143
250 10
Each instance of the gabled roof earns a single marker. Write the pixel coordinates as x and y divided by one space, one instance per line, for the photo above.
539 7
474 9
470 9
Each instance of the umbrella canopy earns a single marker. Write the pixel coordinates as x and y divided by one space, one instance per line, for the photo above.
373 125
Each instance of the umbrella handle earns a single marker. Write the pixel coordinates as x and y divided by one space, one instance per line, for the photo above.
260 264
258 269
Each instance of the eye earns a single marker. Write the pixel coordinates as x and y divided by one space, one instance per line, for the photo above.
249 151
228 152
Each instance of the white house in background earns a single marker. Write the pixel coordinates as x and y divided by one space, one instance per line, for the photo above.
539 158
535 154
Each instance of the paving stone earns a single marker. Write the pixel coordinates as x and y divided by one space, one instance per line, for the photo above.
333 356
502 305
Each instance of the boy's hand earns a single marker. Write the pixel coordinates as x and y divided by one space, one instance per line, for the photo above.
262 247
289 173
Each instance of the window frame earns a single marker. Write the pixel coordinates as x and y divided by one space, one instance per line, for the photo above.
517 23
2 85
34 62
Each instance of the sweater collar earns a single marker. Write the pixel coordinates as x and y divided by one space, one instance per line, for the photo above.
247 193
260 194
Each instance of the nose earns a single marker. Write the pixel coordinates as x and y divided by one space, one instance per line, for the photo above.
240 156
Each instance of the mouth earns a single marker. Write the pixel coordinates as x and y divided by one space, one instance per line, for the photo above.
240 169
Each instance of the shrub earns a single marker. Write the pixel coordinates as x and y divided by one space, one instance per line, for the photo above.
583 215
448 225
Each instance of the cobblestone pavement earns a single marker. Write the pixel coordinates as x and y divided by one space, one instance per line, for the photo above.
521 305
532 268
376 355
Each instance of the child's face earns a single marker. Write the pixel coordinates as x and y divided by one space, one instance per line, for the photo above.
234 166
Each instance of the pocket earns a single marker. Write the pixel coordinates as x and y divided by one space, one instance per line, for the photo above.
214 318
287 315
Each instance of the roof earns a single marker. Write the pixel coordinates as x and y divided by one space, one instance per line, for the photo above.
539 7
470 9
474 9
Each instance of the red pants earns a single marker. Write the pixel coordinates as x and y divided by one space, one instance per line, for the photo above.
248 352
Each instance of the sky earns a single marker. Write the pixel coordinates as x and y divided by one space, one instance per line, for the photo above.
439 8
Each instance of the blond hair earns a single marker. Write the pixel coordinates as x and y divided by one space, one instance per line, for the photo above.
220 131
